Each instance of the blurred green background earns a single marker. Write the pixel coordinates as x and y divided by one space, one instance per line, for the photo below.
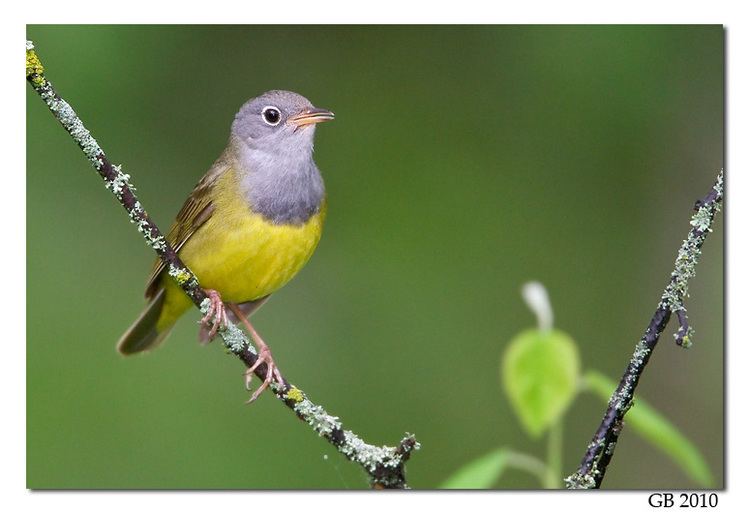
463 162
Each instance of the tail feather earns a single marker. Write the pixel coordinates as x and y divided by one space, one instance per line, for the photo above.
142 334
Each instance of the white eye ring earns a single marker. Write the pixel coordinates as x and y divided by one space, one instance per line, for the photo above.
269 118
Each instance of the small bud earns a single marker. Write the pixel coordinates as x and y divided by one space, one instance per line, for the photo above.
537 299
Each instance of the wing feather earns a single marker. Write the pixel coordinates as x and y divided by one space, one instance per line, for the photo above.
197 209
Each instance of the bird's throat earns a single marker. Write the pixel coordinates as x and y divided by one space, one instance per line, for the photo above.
285 189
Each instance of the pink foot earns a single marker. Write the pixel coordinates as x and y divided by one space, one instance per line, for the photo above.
264 356
216 316
272 372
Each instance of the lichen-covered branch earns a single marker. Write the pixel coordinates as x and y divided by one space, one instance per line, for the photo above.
601 449
384 465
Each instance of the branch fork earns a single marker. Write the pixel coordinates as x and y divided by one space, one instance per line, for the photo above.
599 452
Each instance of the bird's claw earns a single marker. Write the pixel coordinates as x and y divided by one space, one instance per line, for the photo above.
264 356
272 372
216 316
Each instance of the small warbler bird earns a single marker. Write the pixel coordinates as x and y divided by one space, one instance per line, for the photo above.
248 227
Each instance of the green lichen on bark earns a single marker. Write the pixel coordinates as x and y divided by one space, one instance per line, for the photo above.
34 68
600 451
687 259
384 464
179 274
579 481
294 394
234 338
60 108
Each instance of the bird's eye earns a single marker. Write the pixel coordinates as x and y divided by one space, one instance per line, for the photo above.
271 115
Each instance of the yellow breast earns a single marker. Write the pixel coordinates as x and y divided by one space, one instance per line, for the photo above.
239 253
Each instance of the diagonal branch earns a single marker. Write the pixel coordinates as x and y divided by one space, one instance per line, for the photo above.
601 449
384 465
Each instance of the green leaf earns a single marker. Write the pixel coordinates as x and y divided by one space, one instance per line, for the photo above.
480 473
655 428
540 372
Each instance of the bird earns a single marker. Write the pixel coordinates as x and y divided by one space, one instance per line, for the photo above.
249 226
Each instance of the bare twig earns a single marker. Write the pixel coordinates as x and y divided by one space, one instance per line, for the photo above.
384 465
599 452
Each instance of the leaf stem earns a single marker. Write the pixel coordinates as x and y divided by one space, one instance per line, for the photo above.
527 463
553 476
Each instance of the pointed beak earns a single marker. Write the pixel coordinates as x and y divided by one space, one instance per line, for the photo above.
311 117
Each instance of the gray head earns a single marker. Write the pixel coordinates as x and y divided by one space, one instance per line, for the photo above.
278 122
273 138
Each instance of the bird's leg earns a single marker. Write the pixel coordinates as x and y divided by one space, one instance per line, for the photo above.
216 315
264 356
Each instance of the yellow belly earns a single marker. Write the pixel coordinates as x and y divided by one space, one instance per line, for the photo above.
240 254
